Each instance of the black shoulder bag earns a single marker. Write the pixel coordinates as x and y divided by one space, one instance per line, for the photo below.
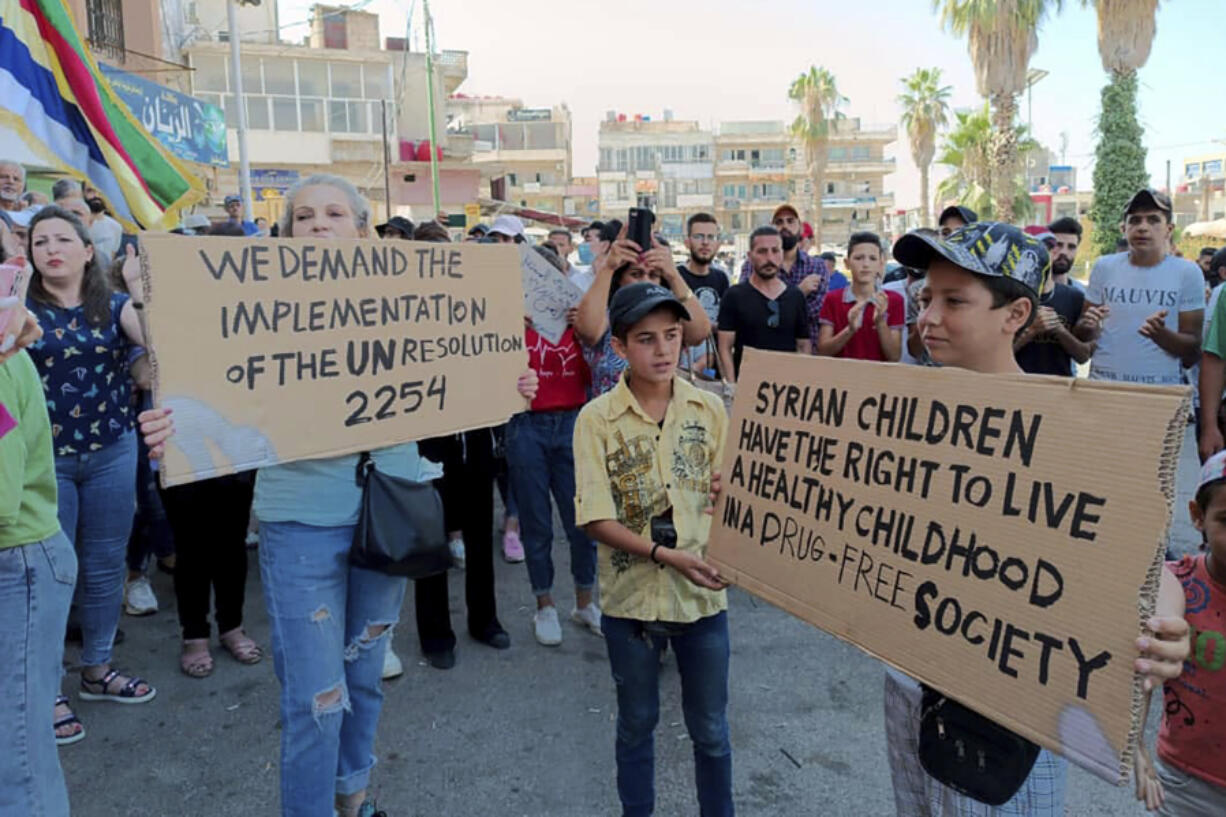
400 527
972 754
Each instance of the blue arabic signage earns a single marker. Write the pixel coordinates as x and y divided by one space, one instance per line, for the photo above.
188 128
270 183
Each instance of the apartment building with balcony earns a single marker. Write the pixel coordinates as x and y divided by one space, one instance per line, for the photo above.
665 165
1200 194
523 153
759 165
319 107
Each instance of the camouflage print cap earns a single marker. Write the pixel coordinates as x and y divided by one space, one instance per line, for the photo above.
987 248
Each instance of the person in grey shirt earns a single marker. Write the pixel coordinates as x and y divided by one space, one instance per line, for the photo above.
1144 307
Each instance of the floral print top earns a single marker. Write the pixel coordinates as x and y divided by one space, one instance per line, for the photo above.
85 377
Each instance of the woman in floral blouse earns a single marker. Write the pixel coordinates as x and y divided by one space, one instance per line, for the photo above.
82 358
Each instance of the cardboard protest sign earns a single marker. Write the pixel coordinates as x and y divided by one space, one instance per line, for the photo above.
548 294
277 350
997 537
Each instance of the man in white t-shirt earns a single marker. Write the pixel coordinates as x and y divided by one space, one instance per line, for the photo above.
1144 307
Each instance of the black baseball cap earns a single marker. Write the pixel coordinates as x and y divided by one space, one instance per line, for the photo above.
965 213
400 223
634 302
1149 199
479 230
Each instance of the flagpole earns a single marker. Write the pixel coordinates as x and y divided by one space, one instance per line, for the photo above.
430 103
236 73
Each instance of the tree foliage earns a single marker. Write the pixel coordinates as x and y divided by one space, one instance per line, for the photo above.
816 94
968 149
925 111
1119 159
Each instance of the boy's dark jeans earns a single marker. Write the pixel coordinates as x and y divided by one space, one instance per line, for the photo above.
702 659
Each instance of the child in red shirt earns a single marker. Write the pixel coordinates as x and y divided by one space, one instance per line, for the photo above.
1189 779
862 321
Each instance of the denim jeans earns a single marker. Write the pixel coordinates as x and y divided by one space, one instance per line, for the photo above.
319 610
702 658
96 508
540 454
36 582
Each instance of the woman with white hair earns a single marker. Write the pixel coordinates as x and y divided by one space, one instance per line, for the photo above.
331 622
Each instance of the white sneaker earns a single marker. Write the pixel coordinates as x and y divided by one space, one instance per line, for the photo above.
456 546
392 667
138 598
548 628
589 617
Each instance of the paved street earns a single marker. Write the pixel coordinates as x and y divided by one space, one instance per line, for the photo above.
523 733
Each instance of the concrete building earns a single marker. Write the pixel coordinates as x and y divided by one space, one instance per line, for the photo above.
664 165
524 154
758 166
1200 195
319 107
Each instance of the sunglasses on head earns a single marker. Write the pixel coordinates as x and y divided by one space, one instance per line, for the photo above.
772 320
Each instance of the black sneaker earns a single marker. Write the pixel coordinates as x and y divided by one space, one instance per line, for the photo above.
441 660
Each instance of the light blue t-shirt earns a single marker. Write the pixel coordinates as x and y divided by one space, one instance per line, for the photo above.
325 492
1134 293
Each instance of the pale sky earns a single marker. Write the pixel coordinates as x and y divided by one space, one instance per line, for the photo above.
720 60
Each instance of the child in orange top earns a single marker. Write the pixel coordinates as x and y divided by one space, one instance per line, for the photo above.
1189 778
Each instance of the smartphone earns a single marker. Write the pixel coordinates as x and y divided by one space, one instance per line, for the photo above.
638 227
14 278
124 241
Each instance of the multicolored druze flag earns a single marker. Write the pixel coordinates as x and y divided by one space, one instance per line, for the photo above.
57 101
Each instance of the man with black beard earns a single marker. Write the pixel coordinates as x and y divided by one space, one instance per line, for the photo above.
763 312
1067 233
807 273
707 282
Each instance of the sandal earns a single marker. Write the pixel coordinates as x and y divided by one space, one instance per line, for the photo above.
98 690
195 660
70 719
240 645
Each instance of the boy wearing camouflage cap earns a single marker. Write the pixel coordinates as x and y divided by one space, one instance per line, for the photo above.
982 289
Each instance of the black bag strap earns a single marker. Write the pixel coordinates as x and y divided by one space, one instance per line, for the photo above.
365 466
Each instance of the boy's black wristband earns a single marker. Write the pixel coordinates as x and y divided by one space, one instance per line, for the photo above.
653 553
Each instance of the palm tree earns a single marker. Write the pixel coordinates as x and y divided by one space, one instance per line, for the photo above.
1126 31
925 110
968 150
1001 35
818 97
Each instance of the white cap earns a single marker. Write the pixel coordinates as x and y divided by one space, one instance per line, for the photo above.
22 218
508 225
196 221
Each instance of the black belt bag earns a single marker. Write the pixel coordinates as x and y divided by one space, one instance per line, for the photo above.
972 754
400 527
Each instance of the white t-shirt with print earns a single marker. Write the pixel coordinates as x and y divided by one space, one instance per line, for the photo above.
1134 293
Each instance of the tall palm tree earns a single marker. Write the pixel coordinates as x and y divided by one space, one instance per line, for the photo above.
925 110
1126 31
1001 35
817 95
967 149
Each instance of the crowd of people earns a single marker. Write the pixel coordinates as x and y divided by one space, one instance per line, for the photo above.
624 428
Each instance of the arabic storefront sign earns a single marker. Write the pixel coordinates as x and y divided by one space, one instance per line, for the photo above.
188 128
269 183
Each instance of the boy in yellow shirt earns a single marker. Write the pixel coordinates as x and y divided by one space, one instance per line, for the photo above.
646 454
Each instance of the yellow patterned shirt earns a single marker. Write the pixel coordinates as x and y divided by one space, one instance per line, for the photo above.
630 469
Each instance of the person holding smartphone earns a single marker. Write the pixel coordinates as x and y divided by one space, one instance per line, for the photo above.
627 262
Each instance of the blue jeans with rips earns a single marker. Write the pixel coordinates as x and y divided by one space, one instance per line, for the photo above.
541 457
702 651
97 503
322 613
36 582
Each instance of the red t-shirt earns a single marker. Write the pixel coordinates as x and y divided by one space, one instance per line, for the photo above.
561 368
864 345
1193 733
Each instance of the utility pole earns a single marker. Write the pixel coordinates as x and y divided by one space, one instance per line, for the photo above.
430 103
1168 177
236 71
387 151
